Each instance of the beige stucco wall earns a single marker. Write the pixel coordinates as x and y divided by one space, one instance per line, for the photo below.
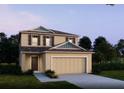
24 39
45 59
59 39
25 62
89 59
41 64
41 40
76 40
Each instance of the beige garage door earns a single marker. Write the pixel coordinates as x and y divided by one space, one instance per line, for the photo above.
68 65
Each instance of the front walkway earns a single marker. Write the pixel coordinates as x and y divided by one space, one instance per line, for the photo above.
87 81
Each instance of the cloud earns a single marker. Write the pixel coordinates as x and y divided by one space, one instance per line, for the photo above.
11 22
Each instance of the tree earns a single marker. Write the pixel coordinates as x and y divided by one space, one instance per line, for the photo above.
98 57
120 47
103 48
85 42
120 44
9 49
2 36
3 42
13 41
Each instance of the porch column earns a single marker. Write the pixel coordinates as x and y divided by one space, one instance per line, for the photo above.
23 62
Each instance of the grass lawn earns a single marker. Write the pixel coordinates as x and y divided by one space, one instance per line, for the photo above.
30 82
116 74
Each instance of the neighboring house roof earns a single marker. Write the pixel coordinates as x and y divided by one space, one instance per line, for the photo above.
42 29
121 51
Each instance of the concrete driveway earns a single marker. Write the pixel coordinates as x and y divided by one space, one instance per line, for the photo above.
87 81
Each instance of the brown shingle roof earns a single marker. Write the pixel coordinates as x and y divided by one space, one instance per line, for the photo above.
45 30
61 32
70 50
34 49
41 28
42 49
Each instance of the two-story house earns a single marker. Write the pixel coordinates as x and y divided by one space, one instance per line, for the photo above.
44 49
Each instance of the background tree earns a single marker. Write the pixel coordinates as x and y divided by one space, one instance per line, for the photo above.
9 49
3 44
120 44
98 57
85 42
14 48
104 51
120 47
2 36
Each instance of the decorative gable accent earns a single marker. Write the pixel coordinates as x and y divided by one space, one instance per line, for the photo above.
67 45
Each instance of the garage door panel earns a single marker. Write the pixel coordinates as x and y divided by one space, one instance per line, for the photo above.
68 65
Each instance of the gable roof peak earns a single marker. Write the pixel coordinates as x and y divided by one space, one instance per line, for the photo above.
68 45
41 28
44 29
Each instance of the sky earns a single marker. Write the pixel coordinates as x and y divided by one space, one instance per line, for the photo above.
83 20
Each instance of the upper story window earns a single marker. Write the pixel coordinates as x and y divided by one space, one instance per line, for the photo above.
70 39
34 40
48 41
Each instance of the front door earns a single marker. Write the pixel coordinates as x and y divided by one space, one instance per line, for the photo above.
35 63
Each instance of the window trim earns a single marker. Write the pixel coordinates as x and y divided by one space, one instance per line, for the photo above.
36 42
48 43
45 42
30 40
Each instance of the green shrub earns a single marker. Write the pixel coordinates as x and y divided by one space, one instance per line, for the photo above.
50 71
51 74
29 72
97 68
13 69
10 69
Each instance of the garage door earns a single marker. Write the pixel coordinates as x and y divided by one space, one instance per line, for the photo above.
68 65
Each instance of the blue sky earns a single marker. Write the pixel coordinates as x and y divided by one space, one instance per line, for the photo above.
89 20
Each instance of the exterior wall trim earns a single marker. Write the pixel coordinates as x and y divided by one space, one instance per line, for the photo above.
68 48
47 33
51 60
45 61
67 52
58 51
